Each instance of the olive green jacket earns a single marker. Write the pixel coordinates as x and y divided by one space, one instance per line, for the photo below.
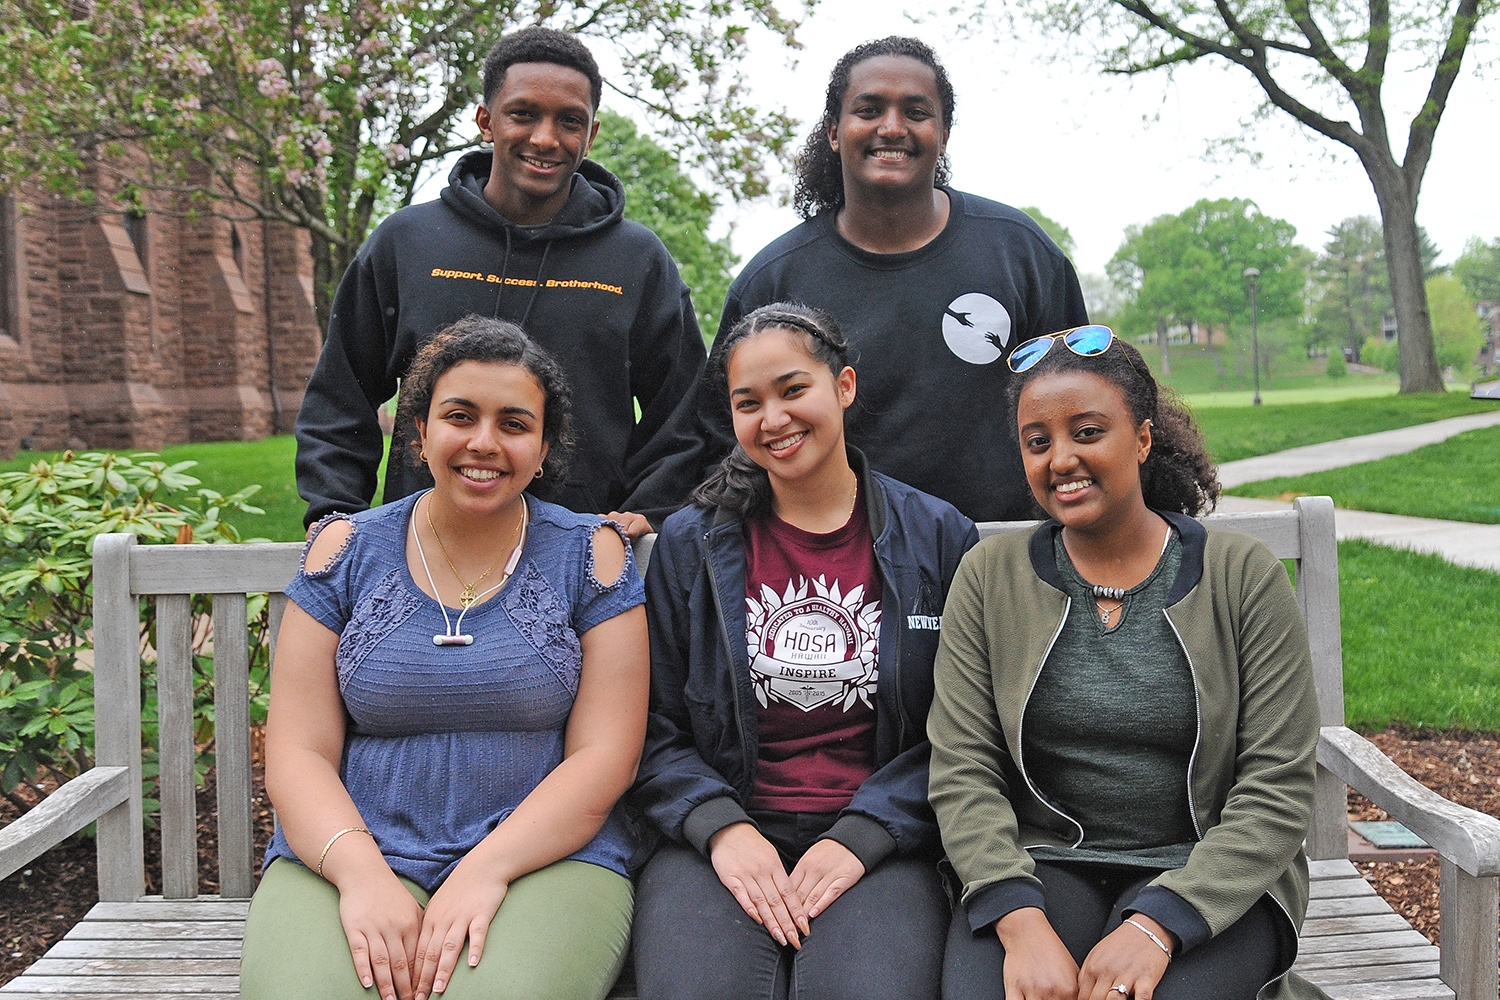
1250 777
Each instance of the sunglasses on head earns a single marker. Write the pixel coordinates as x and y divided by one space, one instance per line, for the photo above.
1084 341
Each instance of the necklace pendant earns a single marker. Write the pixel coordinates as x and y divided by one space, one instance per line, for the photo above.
466 598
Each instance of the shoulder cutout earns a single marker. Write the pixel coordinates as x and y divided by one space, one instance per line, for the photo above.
609 554
326 544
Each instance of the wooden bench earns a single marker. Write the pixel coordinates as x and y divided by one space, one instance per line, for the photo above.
181 944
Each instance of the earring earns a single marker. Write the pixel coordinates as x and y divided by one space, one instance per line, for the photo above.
422 457
538 473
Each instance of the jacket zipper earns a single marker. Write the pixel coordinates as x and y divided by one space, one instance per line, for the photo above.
1197 718
1021 724
734 680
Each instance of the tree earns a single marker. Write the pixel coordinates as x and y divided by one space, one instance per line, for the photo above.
1054 229
1352 285
1478 267
324 114
659 195
1456 327
1150 270
1316 62
1188 268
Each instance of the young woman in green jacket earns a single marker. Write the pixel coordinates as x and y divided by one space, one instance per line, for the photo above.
1122 770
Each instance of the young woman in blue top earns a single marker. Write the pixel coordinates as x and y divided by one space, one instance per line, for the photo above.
460 697
793 613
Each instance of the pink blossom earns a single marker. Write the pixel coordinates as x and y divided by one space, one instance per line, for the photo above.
266 66
274 86
395 152
322 147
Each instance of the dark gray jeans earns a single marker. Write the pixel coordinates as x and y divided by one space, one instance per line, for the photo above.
1084 903
883 938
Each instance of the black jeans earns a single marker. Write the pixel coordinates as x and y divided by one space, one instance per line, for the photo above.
1084 903
883 938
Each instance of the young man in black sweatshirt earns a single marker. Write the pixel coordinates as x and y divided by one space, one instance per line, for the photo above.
532 232
933 287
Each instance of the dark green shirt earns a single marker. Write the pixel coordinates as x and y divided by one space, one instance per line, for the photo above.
1111 724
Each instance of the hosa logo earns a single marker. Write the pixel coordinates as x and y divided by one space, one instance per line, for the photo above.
926 623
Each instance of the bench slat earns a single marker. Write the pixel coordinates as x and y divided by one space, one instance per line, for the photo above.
128 985
1347 906
136 966
1404 972
1364 924
157 908
265 568
1422 989
105 930
1353 942
1375 956
1333 868
232 745
174 693
181 948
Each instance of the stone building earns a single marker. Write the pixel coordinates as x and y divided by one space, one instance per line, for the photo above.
138 331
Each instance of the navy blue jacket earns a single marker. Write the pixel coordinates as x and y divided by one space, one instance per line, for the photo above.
702 740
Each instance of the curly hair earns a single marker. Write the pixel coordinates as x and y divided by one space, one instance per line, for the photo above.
1178 474
820 174
540 45
479 338
738 484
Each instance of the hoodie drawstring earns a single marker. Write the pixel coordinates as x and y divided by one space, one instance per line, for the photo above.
535 287
504 268
546 248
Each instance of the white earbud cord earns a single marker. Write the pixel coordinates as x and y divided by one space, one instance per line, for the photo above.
452 635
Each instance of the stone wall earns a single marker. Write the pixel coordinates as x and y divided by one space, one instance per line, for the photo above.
197 329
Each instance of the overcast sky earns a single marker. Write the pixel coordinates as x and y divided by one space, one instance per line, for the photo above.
1099 154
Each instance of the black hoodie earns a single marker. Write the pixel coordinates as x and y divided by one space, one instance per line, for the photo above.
600 292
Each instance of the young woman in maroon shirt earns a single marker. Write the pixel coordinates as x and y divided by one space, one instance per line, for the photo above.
794 612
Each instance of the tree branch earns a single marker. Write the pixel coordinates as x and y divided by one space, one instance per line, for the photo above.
1424 125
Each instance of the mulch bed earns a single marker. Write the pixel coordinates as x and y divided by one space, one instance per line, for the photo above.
40 903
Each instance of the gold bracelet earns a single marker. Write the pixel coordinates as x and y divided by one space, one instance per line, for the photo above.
1147 931
332 840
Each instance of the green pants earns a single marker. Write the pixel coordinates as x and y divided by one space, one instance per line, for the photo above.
562 933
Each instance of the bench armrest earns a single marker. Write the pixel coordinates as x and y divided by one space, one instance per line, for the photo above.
1468 838
72 807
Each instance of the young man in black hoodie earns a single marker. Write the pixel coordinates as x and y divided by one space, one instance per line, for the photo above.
531 232
933 287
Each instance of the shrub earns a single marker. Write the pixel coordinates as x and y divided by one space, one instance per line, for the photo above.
49 517
1337 367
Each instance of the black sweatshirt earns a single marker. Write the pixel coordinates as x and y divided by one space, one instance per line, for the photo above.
598 291
930 332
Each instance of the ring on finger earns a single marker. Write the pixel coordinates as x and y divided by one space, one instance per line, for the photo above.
1121 989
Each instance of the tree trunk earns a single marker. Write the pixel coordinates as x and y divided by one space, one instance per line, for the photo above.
1161 334
325 272
1403 259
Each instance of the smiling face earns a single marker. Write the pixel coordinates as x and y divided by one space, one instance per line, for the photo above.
890 132
541 121
1082 449
483 435
788 406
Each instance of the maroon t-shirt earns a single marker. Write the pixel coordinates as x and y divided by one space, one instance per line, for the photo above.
812 625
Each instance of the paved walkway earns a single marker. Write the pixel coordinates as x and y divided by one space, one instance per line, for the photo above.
1460 542
1350 451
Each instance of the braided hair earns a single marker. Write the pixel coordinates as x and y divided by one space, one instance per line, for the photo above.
737 483
820 173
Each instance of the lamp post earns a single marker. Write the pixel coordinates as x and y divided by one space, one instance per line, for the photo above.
1250 274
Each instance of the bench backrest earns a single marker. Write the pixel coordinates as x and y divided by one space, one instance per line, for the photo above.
124 572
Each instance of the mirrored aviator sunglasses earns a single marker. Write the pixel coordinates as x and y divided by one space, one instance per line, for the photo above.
1084 341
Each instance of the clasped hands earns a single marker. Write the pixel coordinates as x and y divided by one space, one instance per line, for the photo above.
409 952
784 904
1038 965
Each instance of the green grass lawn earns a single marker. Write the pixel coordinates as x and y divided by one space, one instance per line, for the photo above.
229 466
1420 640
1246 431
1454 480
1205 372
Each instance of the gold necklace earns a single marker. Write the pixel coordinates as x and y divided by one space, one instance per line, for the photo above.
468 596
853 499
